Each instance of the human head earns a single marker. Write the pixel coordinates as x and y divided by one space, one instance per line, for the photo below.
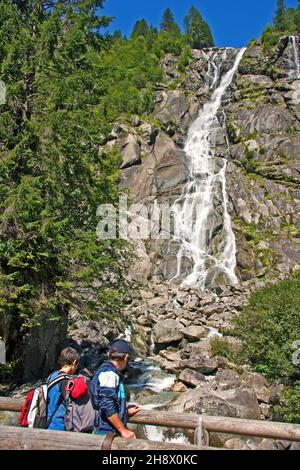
119 353
68 359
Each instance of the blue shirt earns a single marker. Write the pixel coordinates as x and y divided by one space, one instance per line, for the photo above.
57 423
109 397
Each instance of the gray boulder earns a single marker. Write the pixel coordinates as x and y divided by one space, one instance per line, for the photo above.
191 378
130 151
201 364
193 332
234 403
259 384
227 379
167 331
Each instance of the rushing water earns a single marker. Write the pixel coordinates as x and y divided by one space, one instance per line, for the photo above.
193 211
294 58
151 390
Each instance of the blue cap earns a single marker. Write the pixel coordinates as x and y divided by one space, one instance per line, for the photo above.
121 346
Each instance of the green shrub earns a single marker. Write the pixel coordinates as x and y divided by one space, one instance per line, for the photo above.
221 347
5 371
184 59
268 327
289 410
270 38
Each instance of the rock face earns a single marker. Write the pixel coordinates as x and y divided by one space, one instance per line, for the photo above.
200 364
167 331
42 347
193 332
237 404
191 377
263 174
260 139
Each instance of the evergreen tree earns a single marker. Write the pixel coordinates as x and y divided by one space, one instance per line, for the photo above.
117 35
297 17
66 84
52 175
154 32
140 28
168 23
198 31
280 16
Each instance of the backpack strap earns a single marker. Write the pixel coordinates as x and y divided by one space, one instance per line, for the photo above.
59 378
56 380
59 402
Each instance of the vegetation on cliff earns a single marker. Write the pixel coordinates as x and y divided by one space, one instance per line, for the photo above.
286 22
270 330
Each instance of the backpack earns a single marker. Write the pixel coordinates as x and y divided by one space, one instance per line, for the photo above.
80 414
34 410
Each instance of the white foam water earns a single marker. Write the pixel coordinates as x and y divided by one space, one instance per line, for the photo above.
155 433
192 210
294 58
158 384
213 332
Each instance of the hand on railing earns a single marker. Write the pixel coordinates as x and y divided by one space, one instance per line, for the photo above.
133 409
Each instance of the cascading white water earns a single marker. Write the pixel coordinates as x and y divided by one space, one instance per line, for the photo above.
193 212
294 58
214 66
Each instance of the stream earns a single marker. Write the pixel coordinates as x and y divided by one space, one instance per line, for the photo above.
150 389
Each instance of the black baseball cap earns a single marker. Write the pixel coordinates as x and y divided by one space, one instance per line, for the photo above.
122 346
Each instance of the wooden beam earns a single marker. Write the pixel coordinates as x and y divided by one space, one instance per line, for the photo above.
242 427
11 404
14 438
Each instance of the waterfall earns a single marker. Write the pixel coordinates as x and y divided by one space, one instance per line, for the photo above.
294 58
204 233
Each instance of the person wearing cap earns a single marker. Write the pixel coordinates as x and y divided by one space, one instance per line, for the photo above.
108 393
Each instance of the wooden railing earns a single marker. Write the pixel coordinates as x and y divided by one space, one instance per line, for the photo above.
14 438
198 423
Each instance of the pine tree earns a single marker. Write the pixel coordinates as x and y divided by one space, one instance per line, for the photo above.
52 176
153 31
117 35
297 17
168 23
197 30
280 16
140 28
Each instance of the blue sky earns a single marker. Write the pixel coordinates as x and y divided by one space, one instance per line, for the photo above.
233 22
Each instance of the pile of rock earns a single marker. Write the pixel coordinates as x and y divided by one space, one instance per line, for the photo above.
181 327
192 313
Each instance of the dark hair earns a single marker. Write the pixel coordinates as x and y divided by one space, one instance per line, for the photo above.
115 355
68 356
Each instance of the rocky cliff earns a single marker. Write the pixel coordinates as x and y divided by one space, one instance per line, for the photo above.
259 136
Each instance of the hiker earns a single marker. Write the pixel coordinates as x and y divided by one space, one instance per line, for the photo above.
56 407
109 394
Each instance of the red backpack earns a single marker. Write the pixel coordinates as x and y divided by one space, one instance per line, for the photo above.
23 417
34 410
